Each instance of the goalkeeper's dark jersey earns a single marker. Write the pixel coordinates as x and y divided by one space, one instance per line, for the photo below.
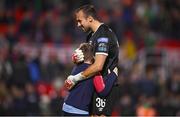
104 41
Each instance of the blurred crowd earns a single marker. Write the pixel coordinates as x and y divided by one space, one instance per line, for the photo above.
37 38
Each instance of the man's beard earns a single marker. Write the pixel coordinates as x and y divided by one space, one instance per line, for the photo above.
86 30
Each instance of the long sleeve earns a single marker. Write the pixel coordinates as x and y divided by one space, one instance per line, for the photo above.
104 85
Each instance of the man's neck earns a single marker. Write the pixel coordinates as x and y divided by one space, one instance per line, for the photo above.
95 25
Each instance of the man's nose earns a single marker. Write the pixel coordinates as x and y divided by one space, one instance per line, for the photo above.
78 24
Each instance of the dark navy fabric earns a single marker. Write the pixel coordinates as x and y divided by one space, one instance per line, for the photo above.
80 95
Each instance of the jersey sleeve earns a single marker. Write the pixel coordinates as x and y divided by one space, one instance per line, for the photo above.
104 85
109 82
102 46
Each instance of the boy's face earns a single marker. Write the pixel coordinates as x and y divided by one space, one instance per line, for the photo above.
82 21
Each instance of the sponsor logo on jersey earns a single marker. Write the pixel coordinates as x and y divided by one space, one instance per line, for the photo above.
102 39
102 47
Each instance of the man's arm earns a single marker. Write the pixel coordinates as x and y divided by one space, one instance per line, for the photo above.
97 66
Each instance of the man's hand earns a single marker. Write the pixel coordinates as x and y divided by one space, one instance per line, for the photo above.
77 56
98 82
68 84
72 80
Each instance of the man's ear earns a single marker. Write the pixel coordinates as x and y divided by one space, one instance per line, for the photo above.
90 18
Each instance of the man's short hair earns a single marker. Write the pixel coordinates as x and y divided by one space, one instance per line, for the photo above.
87 50
88 10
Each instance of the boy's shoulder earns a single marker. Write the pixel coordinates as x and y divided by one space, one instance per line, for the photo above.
79 68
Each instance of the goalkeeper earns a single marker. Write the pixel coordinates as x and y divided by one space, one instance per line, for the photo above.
106 52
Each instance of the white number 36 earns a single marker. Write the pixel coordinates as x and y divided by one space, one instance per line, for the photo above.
100 102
